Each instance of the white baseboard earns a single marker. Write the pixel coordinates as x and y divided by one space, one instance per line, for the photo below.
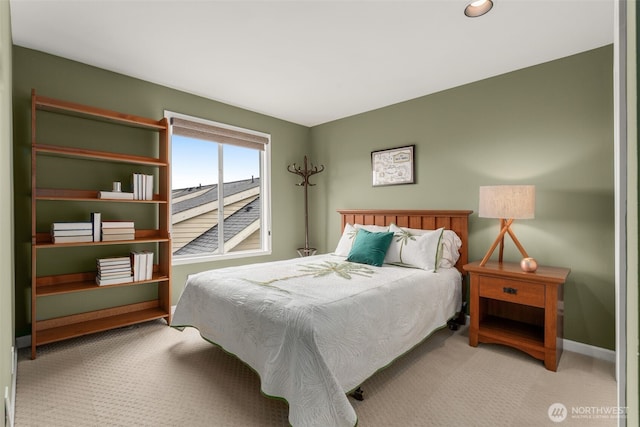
589 350
10 394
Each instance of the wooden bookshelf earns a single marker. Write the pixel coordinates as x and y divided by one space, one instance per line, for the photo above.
45 331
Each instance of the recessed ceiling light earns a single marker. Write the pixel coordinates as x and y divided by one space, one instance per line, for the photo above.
478 8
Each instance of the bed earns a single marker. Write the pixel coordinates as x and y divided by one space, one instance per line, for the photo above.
315 328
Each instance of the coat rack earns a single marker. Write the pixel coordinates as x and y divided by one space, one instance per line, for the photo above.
305 172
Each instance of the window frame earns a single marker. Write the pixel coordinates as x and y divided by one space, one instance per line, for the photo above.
265 194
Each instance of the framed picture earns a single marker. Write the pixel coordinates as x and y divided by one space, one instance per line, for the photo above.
393 166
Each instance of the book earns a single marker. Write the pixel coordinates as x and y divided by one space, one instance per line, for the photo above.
111 267
71 226
72 239
135 262
113 281
149 265
114 268
119 279
113 260
114 237
148 188
60 233
136 190
127 230
126 274
95 220
117 224
115 195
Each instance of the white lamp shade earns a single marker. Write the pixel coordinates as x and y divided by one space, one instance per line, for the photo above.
507 201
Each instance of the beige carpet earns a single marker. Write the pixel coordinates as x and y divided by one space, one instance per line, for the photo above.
153 375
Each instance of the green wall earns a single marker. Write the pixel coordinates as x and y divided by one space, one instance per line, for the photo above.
56 77
549 125
6 208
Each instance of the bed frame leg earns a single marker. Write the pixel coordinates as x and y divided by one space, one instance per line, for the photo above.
358 394
459 320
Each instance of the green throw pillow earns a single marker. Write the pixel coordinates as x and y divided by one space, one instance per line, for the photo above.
370 248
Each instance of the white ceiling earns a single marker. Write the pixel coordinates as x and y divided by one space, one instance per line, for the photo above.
310 62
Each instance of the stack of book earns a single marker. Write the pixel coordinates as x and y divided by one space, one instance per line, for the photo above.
71 232
114 270
142 186
118 230
142 263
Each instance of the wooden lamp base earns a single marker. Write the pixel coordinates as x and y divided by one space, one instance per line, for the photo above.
505 227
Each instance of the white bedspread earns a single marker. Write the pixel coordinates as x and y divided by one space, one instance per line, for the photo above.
315 328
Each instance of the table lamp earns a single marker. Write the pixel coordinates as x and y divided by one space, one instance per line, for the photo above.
507 203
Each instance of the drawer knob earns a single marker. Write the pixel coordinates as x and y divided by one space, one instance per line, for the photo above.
512 291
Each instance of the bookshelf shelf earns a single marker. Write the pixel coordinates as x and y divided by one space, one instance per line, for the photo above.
78 282
43 285
96 321
80 153
63 194
84 111
43 240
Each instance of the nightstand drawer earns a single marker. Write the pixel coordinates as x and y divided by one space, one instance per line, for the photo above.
512 291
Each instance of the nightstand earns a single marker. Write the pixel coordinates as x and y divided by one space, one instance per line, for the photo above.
523 310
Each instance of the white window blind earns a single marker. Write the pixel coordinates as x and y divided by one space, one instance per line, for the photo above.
218 134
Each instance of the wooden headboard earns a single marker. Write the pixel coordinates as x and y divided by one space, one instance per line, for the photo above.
456 220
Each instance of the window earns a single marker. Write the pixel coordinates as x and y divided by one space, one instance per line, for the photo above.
210 220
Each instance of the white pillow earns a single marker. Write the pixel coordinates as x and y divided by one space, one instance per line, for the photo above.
451 244
349 235
346 240
412 231
374 228
450 250
419 249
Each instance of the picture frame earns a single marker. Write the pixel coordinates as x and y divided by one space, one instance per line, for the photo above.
393 166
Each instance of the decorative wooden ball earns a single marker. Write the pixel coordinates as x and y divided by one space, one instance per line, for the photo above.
529 265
